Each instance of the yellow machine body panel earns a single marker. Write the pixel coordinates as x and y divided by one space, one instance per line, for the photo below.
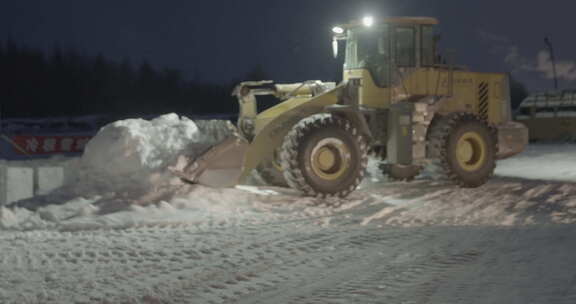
419 82
271 114
484 94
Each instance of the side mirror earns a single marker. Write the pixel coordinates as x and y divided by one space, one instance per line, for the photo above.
335 47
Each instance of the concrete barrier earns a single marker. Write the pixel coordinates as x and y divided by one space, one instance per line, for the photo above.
26 179
19 183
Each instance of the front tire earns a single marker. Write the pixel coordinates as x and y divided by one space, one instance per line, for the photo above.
324 156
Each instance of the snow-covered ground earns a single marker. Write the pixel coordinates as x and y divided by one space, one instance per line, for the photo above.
125 232
542 161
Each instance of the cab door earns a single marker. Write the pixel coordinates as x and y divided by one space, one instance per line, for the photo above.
404 63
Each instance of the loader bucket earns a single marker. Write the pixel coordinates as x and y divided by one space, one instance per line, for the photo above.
220 166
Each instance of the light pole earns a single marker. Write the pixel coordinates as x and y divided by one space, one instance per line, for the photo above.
553 60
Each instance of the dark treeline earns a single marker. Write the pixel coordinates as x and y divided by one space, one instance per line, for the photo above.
64 83
60 83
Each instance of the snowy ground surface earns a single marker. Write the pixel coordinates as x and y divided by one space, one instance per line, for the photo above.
542 161
510 241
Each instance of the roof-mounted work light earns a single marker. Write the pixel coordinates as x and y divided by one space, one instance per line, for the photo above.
368 21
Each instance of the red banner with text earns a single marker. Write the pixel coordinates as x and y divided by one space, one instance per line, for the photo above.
34 145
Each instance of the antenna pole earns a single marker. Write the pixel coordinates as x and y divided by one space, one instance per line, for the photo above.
553 60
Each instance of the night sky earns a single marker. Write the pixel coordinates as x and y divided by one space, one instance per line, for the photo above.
221 41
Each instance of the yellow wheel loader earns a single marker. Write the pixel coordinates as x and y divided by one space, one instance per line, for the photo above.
398 100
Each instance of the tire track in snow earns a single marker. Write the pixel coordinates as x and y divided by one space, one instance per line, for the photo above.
316 283
291 259
290 262
385 283
261 257
127 250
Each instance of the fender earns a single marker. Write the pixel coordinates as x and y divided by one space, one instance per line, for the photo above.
353 114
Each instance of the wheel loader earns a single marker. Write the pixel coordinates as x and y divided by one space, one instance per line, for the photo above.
399 101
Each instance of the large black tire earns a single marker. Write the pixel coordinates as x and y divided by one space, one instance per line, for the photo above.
463 149
324 156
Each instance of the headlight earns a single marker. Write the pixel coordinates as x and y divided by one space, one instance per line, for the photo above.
368 21
338 30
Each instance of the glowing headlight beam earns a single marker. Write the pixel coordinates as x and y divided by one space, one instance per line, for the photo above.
338 30
368 21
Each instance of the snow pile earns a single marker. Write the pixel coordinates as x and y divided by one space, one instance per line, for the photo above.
50 216
122 181
132 155
125 163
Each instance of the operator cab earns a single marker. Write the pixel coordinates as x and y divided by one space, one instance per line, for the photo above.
385 46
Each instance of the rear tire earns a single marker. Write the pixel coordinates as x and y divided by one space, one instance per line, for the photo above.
324 156
463 149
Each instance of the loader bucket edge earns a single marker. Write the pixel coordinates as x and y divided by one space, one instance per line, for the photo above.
220 166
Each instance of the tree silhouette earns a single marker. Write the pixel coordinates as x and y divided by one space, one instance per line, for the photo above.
66 83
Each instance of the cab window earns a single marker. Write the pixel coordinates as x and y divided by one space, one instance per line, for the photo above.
405 47
427 45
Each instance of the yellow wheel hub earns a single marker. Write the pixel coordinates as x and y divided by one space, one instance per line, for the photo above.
326 158
471 151
330 158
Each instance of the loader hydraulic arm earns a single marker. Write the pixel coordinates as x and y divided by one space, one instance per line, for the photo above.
247 91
